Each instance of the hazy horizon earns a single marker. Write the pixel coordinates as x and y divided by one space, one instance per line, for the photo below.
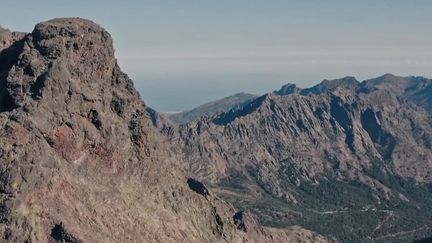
184 53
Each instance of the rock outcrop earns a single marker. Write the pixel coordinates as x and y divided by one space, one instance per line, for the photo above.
197 187
80 159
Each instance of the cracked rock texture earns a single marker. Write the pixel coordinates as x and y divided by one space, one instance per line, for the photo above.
342 145
80 159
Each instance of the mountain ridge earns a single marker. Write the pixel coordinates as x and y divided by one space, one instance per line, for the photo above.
414 88
371 142
211 108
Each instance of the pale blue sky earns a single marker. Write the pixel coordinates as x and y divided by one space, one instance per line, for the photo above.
181 53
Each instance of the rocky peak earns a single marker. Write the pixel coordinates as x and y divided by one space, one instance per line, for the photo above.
62 57
389 82
82 42
348 80
287 89
388 77
331 85
325 86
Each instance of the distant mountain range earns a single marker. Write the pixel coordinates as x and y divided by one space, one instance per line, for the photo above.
349 160
209 109
414 88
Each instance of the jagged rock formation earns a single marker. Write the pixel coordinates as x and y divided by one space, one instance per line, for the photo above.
415 89
356 155
80 159
235 101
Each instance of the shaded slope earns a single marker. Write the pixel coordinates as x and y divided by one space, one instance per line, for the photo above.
235 102
415 89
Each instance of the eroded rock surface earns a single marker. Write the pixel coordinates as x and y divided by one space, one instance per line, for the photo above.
78 146
335 152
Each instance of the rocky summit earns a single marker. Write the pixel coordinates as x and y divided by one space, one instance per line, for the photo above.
81 159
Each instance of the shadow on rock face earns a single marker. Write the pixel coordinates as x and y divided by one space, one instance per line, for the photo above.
239 221
197 187
59 234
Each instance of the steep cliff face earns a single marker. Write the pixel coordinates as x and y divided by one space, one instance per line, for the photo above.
355 155
354 128
80 159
